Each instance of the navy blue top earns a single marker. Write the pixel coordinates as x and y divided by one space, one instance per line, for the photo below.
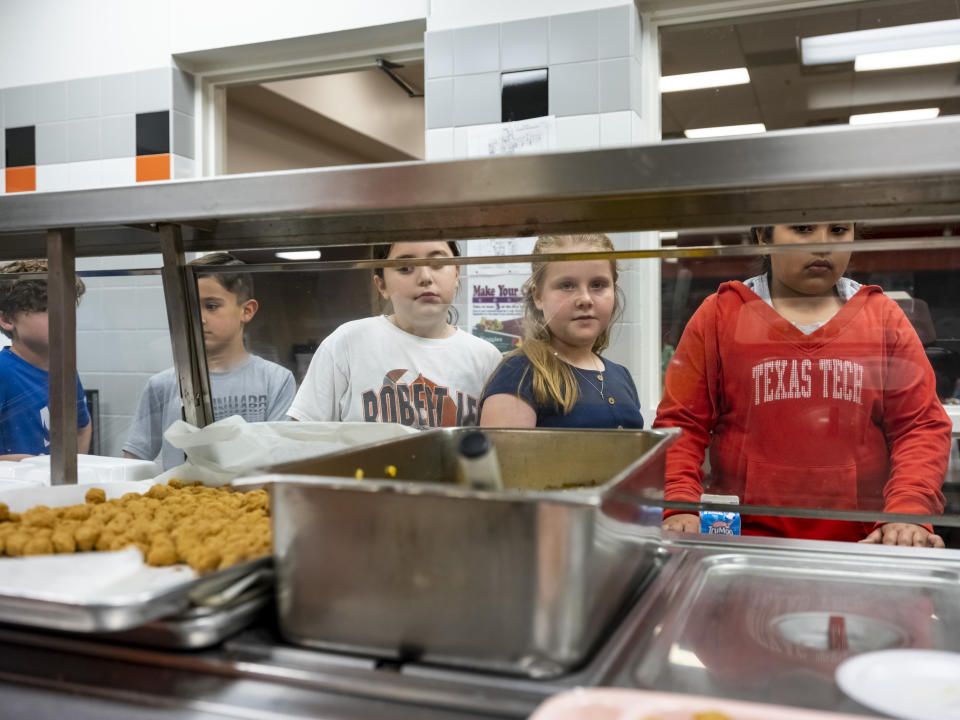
25 407
591 410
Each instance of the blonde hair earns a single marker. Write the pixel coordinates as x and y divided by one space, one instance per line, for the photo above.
553 380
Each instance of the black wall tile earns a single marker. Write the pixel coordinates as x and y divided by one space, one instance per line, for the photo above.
523 95
21 146
153 133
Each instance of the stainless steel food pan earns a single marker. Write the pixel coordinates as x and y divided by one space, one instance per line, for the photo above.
773 624
521 580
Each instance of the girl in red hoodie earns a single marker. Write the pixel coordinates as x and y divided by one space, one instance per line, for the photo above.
810 391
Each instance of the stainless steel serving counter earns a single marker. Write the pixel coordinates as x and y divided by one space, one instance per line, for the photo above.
745 618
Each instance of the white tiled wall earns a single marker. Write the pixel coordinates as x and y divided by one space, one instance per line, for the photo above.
122 339
625 347
576 132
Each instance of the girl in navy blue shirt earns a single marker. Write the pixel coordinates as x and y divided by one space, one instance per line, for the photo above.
558 378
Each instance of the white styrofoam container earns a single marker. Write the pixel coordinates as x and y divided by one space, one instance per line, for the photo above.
91 469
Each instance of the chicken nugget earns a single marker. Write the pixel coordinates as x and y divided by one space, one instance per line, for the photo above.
130 497
161 554
203 559
63 541
38 545
39 516
139 530
256 500
15 517
120 522
95 496
105 540
4 512
160 491
86 536
175 483
69 525
15 543
77 512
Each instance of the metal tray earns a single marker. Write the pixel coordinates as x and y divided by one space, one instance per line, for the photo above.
197 627
524 580
124 611
772 625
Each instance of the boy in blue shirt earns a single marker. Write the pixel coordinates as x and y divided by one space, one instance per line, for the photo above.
24 367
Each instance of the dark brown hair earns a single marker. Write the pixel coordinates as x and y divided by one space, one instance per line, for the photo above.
26 296
238 283
382 252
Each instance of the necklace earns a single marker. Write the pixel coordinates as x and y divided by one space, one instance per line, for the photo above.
586 377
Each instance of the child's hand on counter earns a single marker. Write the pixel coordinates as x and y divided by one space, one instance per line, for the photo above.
904 534
684 522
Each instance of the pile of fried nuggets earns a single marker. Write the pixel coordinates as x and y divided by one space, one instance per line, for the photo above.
207 528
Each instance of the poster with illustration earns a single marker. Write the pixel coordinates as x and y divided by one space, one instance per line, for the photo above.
496 309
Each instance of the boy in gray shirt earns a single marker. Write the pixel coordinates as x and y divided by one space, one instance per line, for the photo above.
240 383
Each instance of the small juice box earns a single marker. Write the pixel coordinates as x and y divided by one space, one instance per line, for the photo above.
719 522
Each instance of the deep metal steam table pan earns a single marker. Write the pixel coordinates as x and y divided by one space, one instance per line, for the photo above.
522 580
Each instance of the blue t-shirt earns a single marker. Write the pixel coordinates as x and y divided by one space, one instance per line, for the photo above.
25 406
593 408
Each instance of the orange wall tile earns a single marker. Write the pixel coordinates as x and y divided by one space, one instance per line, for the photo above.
153 167
21 179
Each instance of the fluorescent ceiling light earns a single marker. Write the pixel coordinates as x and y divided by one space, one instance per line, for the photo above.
894 116
845 47
699 80
299 255
725 130
668 234
907 58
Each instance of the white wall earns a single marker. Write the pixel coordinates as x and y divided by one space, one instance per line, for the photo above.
50 40
446 14
221 23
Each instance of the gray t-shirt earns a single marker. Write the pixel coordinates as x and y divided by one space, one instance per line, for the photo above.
257 390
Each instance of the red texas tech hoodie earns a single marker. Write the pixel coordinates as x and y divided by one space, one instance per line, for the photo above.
846 417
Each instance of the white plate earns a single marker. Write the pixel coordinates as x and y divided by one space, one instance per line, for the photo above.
907 684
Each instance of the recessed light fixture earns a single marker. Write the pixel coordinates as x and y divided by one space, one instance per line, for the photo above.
299 254
907 58
724 130
894 116
845 47
700 80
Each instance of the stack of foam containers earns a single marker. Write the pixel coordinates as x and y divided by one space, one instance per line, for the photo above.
91 470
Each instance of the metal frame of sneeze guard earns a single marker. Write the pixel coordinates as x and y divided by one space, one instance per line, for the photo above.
804 175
